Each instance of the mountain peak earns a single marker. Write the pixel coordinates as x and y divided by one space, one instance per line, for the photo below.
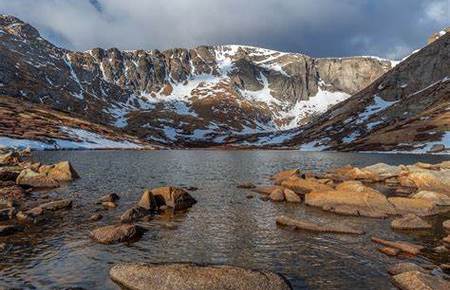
17 27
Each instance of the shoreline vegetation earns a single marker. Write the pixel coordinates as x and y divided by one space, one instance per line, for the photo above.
406 194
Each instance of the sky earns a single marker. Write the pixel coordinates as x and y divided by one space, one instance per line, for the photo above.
321 28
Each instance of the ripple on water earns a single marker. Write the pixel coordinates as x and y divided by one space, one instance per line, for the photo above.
223 227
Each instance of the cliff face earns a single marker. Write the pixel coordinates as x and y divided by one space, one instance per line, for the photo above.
200 96
407 109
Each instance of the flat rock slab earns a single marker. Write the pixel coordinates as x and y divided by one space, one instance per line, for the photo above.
309 226
403 246
410 222
415 280
191 276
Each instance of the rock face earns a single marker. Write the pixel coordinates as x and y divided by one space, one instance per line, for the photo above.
189 276
116 233
205 94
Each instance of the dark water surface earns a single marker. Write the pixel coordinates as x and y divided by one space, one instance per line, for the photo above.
223 227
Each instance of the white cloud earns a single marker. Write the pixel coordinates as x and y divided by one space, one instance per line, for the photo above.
438 11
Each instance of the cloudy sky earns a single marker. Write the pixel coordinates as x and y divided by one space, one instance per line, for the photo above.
387 28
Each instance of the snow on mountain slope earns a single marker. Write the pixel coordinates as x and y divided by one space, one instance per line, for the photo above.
189 97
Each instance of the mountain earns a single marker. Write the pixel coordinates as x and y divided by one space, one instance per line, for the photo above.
407 109
202 96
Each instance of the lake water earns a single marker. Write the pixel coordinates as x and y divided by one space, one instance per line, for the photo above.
224 227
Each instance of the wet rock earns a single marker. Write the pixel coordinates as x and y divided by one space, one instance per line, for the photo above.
291 196
420 207
174 197
414 280
29 177
277 195
446 225
389 251
134 214
57 205
300 185
368 203
310 226
403 246
12 192
410 222
62 171
405 267
95 217
266 190
437 198
190 276
247 185
116 233
148 201
10 230
111 197
109 204
283 175
436 148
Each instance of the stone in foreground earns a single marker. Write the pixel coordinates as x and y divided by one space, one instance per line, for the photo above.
190 276
410 222
116 234
309 226
415 280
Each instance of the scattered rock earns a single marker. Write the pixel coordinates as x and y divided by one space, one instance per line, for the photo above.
109 204
29 177
437 198
389 251
62 171
368 203
414 280
283 175
404 267
190 276
247 185
148 201
309 226
134 214
410 222
116 233
95 217
174 197
111 197
266 190
403 246
300 185
420 207
277 195
291 196
10 230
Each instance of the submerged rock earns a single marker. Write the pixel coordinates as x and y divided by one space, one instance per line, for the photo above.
389 251
247 185
111 197
116 233
198 277
310 226
414 280
410 222
109 204
403 246
95 217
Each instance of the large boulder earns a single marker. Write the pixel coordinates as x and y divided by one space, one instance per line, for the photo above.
304 185
414 280
436 197
368 203
190 276
62 171
283 175
410 222
420 207
116 233
174 197
29 177
310 226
